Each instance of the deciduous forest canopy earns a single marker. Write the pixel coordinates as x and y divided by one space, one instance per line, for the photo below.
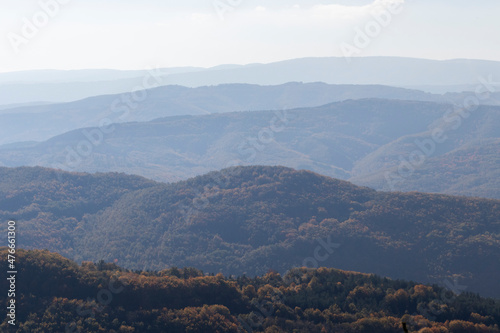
247 220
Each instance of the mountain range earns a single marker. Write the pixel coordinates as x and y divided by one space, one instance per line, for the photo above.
385 144
430 75
248 220
41 122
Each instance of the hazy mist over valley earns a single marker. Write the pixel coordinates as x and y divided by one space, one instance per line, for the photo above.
250 166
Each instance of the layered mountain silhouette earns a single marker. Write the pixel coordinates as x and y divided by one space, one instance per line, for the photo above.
248 220
385 144
41 122
430 75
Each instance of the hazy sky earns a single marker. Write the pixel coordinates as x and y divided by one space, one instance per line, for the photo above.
133 34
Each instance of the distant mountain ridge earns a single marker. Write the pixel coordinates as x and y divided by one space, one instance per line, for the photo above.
435 75
82 75
392 71
41 122
252 219
370 142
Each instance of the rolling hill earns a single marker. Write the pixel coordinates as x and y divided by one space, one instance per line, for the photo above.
59 86
41 122
247 220
436 76
369 142
57 295
412 71
391 71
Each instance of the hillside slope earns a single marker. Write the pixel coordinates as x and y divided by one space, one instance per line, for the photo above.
248 220
57 295
37 123
365 141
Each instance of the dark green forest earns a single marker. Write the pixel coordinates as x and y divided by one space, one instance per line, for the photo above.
58 295
249 220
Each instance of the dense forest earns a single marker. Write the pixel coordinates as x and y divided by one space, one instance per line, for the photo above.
57 295
248 220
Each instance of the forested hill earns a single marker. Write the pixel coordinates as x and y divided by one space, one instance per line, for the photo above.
380 143
25 189
57 295
247 220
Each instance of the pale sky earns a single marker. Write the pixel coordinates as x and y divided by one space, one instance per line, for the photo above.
126 34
